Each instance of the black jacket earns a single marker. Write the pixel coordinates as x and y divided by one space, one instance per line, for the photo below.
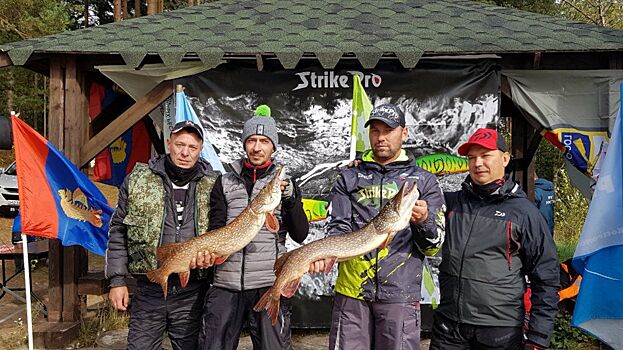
492 242
116 266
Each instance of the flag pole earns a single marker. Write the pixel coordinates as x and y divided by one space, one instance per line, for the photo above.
27 287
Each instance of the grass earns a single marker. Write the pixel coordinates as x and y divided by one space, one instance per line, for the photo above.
106 318
18 337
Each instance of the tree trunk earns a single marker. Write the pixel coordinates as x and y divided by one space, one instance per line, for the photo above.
137 8
86 13
124 9
9 90
117 10
151 7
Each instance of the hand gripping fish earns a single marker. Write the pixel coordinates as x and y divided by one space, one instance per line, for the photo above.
291 266
176 257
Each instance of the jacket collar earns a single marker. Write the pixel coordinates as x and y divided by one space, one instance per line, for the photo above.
404 160
156 164
510 189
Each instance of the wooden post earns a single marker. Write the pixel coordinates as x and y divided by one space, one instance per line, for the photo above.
56 127
66 130
76 124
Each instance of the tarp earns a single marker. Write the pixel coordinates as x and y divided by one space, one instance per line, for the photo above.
599 254
575 109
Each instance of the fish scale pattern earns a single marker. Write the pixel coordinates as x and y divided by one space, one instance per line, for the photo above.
327 29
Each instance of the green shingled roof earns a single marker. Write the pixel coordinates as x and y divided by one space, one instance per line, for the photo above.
327 29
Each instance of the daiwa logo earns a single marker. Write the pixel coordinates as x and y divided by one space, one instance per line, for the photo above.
500 213
332 80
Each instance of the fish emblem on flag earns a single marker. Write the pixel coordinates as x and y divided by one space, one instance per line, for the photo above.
76 206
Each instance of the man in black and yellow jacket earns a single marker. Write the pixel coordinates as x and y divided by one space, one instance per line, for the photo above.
376 303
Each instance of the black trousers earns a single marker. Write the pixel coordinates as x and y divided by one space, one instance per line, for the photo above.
179 315
450 335
225 313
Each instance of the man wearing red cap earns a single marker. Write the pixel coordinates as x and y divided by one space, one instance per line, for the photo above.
494 238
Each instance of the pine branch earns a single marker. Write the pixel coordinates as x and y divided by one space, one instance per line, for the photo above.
12 28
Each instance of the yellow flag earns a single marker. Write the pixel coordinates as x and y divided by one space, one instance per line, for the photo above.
361 108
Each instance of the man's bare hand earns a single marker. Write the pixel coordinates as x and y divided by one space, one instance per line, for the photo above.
319 265
353 163
203 260
419 213
119 297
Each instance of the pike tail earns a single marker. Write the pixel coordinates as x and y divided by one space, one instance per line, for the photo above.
157 276
269 302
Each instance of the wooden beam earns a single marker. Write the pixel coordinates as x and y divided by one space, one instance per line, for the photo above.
141 108
124 9
5 60
56 123
76 121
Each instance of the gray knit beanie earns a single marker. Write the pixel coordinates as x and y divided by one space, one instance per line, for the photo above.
261 124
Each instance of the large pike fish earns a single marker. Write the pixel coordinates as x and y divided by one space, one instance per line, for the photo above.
291 266
176 257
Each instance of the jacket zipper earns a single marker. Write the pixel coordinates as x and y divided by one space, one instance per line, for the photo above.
376 261
459 296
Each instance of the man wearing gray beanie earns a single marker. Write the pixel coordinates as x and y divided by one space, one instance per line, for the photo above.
244 277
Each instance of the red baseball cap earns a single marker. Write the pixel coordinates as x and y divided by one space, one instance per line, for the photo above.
487 138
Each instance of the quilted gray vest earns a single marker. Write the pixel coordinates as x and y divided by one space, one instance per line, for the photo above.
251 267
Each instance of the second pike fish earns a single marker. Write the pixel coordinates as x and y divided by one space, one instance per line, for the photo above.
291 266
176 257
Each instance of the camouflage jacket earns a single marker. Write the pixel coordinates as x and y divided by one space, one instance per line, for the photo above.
392 274
145 218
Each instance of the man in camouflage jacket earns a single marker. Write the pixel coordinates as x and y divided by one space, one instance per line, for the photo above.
164 202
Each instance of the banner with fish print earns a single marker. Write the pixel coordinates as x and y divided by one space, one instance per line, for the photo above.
444 102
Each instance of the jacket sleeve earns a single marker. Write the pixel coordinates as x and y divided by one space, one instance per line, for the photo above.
541 265
294 218
430 234
116 265
218 206
340 209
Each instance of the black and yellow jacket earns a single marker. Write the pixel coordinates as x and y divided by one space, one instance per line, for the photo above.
392 274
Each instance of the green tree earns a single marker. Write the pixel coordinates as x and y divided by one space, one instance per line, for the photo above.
20 89
546 7
606 13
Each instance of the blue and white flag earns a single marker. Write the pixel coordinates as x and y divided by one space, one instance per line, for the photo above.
184 111
599 254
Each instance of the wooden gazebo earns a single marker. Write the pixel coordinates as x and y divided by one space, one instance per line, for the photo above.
288 31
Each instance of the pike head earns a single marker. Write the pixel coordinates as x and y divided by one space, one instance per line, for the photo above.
270 196
396 214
